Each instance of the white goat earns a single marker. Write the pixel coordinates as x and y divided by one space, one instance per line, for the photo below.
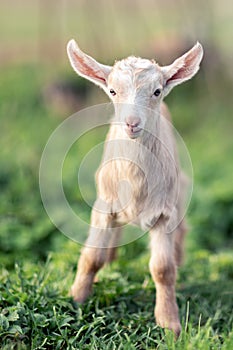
140 151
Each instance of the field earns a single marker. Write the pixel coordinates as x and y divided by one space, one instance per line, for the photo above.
38 262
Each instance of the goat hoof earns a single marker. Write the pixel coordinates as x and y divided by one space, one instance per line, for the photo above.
175 327
79 296
169 322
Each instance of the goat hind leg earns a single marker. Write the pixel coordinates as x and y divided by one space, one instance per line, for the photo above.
179 235
112 250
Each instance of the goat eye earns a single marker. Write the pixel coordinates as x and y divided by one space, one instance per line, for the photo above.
157 92
112 92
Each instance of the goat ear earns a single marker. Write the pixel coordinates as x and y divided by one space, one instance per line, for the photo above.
86 66
183 68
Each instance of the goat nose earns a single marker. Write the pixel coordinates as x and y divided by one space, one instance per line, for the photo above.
132 121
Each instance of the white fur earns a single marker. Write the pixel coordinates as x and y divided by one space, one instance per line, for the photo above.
139 180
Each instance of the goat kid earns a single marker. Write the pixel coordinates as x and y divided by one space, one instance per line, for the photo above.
139 180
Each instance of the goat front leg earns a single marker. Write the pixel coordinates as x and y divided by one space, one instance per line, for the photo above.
163 270
94 255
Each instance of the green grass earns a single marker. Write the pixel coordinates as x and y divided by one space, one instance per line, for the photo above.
38 314
38 262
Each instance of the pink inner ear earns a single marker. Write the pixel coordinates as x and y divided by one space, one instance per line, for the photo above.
86 69
186 69
181 73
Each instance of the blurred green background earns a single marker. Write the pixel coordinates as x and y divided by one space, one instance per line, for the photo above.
38 89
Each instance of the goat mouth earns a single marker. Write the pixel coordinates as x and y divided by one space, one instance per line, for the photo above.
133 134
